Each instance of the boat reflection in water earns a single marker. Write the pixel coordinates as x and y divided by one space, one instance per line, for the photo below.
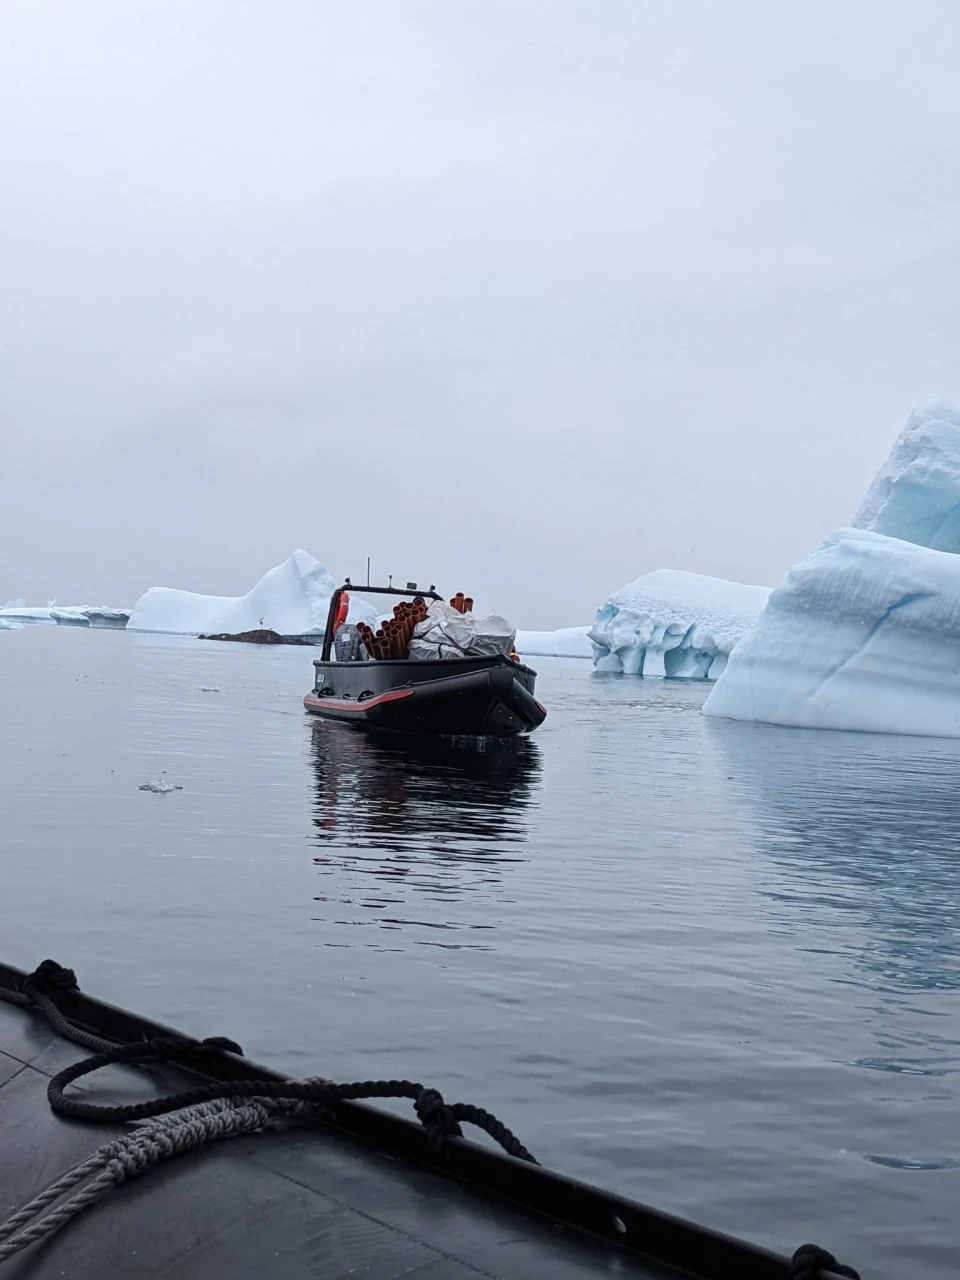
415 830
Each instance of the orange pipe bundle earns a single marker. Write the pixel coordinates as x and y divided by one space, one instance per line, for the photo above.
462 603
393 638
370 641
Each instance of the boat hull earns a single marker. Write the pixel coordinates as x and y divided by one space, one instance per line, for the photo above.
489 697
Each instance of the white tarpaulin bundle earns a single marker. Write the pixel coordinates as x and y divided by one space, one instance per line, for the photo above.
449 634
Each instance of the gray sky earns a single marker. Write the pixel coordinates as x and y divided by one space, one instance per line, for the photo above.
524 297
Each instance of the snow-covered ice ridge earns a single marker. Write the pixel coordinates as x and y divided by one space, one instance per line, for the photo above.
293 599
568 642
865 632
674 623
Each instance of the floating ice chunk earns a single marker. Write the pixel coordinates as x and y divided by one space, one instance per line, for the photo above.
8 624
292 599
915 495
863 634
674 623
159 786
568 642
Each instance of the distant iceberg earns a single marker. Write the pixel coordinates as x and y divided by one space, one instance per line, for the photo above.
293 599
674 623
82 615
568 642
89 615
865 632
26 616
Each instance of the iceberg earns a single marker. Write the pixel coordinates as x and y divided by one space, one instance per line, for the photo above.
915 495
567 642
8 624
27 616
863 634
90 615
292 599
81 615
674 623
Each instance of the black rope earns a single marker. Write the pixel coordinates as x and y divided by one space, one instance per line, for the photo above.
38 989
440 1119
810 1262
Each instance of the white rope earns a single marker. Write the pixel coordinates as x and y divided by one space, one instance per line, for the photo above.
116 1162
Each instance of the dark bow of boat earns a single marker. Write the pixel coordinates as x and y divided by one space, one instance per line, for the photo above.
355 1191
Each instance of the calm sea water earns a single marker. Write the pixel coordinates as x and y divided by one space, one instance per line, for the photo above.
713 966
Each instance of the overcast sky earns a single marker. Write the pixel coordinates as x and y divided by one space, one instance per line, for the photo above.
524 297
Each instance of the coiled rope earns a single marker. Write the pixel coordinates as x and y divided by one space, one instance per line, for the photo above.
127 1157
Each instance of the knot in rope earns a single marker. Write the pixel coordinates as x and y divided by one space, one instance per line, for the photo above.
222 1042
439 1120
810 1262
50 976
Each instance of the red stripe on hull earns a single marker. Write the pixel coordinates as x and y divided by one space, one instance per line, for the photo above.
338 704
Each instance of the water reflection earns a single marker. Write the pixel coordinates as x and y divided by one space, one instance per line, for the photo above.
412 829
864 830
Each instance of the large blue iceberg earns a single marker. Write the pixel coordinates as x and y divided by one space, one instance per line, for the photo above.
865 632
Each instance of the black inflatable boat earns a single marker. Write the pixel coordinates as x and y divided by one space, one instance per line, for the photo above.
484 696
336 1189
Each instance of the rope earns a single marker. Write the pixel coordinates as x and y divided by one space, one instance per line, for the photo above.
810 1262
37 987
441 1119
38 991
117 1162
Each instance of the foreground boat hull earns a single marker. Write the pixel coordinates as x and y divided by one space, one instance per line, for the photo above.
490 697
359 1191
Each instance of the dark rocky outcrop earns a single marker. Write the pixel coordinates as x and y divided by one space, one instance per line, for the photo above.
262 635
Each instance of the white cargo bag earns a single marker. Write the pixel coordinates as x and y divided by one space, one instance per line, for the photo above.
449 634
